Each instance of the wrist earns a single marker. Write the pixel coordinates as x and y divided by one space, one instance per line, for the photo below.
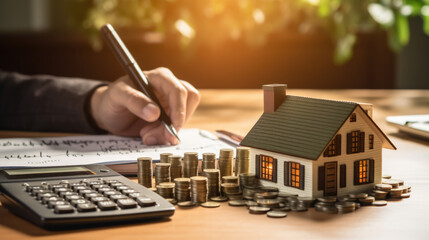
94 106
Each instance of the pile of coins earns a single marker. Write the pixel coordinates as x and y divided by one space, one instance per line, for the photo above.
163 157
225 161
248 179
176 166
198 189
144 171
209 161
190 164
182 189
162 173
212 182
242 160
165 190
230 179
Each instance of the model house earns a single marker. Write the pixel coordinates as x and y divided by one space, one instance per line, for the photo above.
315 147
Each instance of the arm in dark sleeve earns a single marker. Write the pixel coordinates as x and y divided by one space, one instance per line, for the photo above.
46 103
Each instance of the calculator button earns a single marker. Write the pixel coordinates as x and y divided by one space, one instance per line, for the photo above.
78 201
98 187
86 207
52 204
135 195
105 189
122 188
127 203
73 197
80 188
46 200
145 202
43 195
128 191
110 193
64 182
117 197
110 181
39 192
95 200
33 188
63 189
64 208
86 191
65 194
91 195
107 205
76 185
92 183
115 185
54 187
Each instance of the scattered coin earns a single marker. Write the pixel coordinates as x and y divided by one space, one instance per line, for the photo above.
186 204
210 204
276 214
258 210
383 187
219 199
358 195
379 203
387 176
237 203
405 195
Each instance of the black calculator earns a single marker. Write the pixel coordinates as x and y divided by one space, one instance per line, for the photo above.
76 196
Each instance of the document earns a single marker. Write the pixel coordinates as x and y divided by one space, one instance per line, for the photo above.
99 149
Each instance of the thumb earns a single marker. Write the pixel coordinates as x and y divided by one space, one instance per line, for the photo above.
137 103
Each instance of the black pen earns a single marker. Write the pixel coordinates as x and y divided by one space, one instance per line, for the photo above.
134 72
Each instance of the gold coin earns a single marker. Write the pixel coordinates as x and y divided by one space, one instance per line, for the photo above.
210 204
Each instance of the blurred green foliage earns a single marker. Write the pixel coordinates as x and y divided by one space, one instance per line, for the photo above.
214 21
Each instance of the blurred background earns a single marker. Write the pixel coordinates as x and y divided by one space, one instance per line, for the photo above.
328 44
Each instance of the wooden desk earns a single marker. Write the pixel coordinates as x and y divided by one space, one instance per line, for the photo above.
237 110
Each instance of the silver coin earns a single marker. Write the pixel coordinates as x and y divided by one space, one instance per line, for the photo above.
210 204
186 204
237 203
258 210
219 199
276 214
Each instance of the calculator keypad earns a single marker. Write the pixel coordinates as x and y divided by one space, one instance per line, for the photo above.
87 196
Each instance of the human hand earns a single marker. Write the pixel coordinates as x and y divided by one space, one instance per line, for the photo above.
122 110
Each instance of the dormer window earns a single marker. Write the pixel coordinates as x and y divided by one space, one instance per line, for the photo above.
353 117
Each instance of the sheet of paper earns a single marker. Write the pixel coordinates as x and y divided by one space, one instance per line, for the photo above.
98 149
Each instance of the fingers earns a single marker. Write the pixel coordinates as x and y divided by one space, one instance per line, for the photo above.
193 99
126 97
154 134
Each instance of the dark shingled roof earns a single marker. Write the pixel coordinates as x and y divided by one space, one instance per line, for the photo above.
300 127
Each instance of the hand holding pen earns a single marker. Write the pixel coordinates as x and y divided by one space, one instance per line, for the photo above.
123 109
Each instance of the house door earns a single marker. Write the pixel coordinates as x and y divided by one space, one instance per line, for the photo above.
330 179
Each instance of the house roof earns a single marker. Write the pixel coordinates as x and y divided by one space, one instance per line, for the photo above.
301 126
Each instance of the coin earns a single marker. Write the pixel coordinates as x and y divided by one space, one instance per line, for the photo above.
327 199
209 161
299 208
271 203
182 189
210 204
276 214
190 164
186 204
144 171
383 187
176 166
237 203
225 161
258 210
198 189
366 201
393 182
164 157
405 195
171 200
219 199
251 203
242 160
212 181
358 195
230 179
162 173
379 203
387 176
248 179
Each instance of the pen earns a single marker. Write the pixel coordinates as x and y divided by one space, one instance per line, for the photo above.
133 70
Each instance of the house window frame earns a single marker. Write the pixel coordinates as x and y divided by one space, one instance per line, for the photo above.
354 141
371 141
263 171
363 171
353 117
294 175
334 147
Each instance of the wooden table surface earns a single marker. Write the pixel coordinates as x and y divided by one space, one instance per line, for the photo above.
237 111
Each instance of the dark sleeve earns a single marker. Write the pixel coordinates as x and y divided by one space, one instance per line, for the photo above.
46 103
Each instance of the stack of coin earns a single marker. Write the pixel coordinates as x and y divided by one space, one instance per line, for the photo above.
212 182
379 195
163 157
144 171
165 190
176 166
230 179
225 161
162 173
198 189
248 179
345 207
242 160
230 188
190 164
366 201
182 191
249 191
209 161
308 202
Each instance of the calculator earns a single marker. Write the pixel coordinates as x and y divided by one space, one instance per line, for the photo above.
78 196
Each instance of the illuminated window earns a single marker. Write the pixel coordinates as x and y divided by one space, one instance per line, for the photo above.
371 141
294 175
364 171
267 168
334 147
353 117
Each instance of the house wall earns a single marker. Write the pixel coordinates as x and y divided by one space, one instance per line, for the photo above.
281 158
311 166
361 124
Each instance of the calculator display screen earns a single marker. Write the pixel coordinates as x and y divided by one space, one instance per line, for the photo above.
47 172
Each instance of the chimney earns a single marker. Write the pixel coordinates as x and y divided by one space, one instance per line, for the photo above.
367 107
274 95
